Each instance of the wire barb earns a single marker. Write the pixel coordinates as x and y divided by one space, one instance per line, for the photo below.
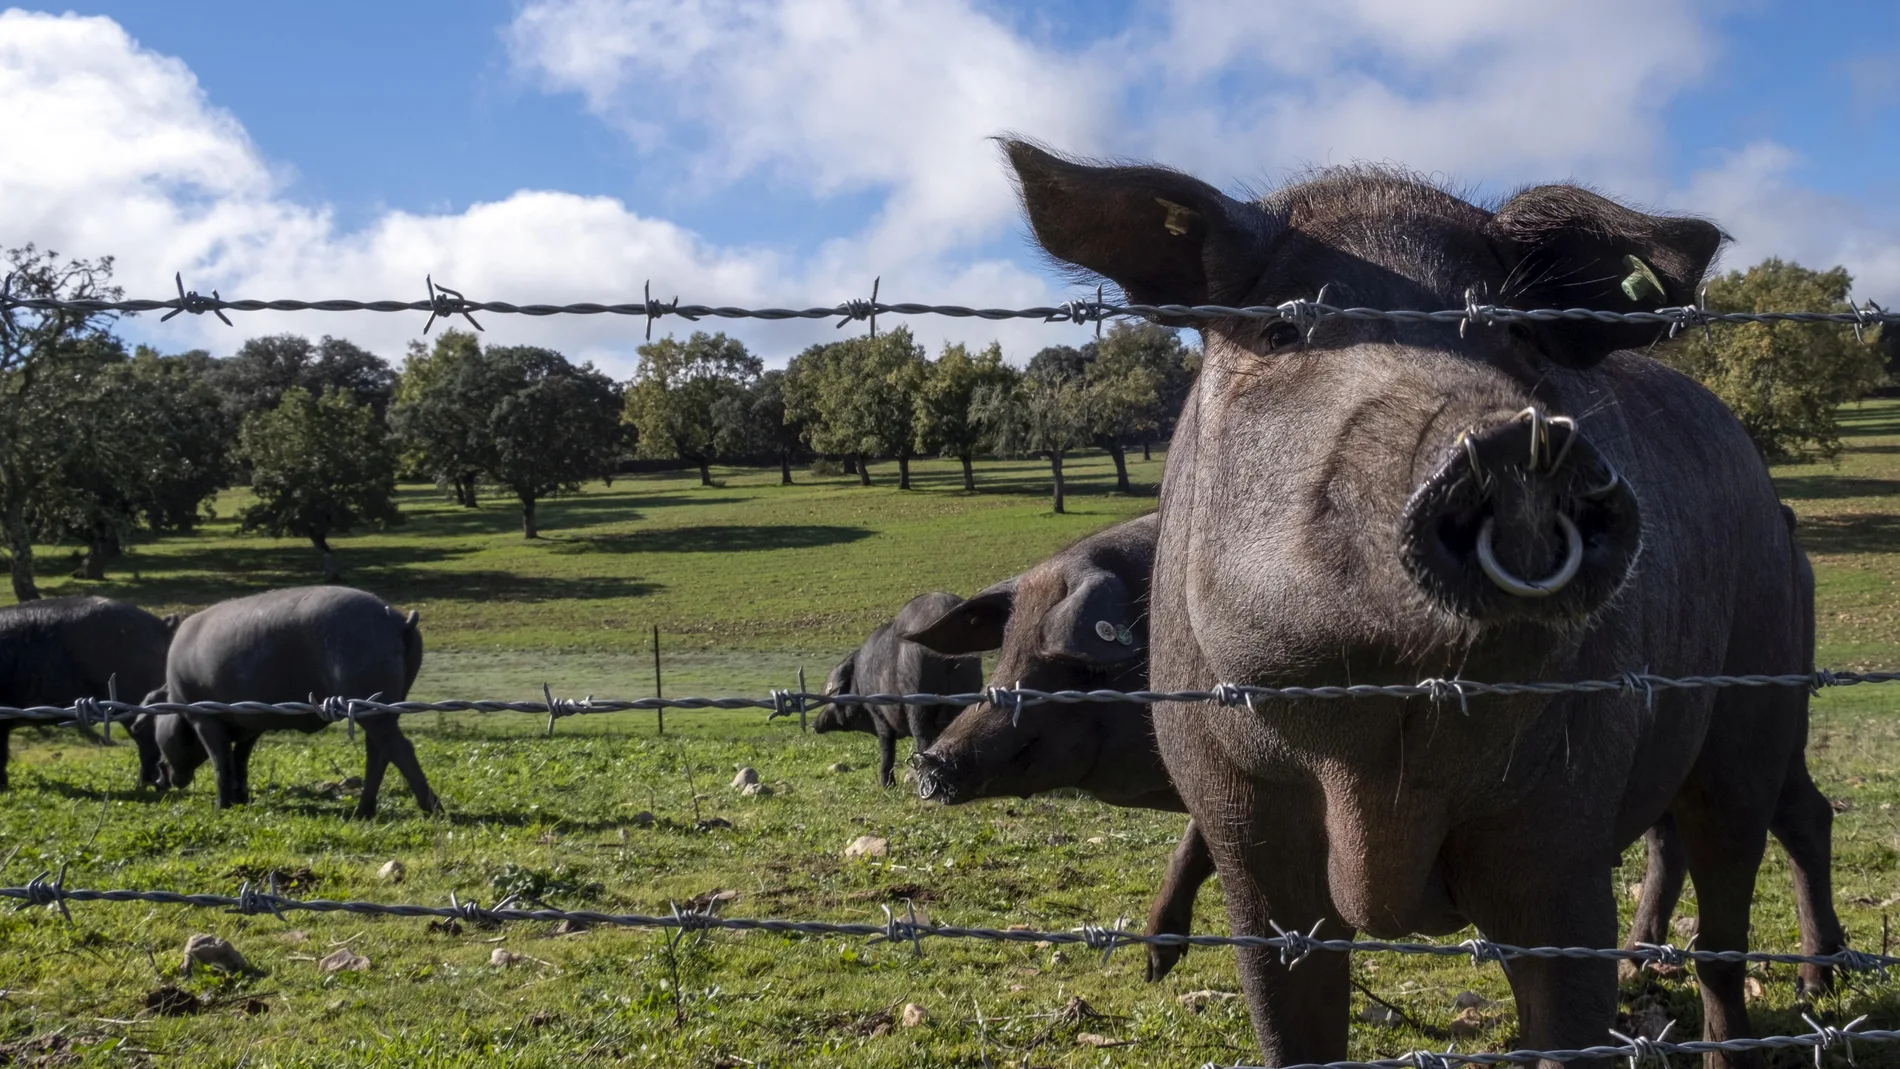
1829 1035
192 301
1296 946
39 892
447 304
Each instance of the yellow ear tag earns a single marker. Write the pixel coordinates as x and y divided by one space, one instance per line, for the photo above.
1179 216
1641 282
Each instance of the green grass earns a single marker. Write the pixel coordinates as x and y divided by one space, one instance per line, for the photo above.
748 582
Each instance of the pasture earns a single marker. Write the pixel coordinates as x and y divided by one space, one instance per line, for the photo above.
749 582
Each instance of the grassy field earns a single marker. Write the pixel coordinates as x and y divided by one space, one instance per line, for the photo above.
748 582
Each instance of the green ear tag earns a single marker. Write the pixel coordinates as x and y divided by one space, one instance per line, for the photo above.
1641 281
1125 636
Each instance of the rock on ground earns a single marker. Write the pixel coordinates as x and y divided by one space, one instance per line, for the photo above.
746 777
343 960
213 953
868 846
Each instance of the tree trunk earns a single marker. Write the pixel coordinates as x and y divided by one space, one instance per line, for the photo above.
456 489
903 471
705 474
528 528
331 573
864 471
969 474
784 469
20 557
1116 451
1055 469
103 546
1144 450
468 491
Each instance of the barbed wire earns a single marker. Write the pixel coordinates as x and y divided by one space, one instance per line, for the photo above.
87 711
1638 1049
442 302
1292 945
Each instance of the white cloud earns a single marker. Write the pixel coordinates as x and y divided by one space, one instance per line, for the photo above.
1751 195
1494 90
114 149
831 96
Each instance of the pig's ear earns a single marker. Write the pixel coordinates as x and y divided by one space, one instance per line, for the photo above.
1162 236
1571 248
839 681
1094 623
973 626
414 618
170 620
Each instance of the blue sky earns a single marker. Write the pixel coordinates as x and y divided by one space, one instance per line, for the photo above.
787 151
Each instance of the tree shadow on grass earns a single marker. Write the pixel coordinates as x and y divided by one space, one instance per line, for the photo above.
716 538
534 818
1858 532
1832 487
69 789
398 573
500 516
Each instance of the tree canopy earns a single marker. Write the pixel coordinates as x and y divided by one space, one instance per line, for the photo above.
47 359
553 426
947 422
149 449
858 398
680 389
319 466
1783 381
1045 411
440 417
256 376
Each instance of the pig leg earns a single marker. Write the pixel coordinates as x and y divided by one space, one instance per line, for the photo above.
1724 820
1662 889
1270 849
375 762
922 720
6 733
886 754
144 732
241 764
1173 909
1804 823
382 746
180 751
1555 894
216 739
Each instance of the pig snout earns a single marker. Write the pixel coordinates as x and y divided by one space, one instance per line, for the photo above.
1524 519
935 776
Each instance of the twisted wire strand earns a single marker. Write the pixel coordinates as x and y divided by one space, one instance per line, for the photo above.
332 709
1293 945
1636 1050
444 303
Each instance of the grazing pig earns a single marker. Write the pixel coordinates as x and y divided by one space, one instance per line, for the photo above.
60 649
1077 621
286 646
1378 501
887 664
1048 623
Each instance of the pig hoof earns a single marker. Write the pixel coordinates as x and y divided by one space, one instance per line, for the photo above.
1162 960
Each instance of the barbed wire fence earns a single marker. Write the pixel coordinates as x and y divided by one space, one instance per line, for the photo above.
50 891
1293 946
444 303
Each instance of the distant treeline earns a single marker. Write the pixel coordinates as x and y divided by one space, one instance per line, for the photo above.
100 445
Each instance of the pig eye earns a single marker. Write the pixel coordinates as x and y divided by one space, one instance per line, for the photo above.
1280 334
